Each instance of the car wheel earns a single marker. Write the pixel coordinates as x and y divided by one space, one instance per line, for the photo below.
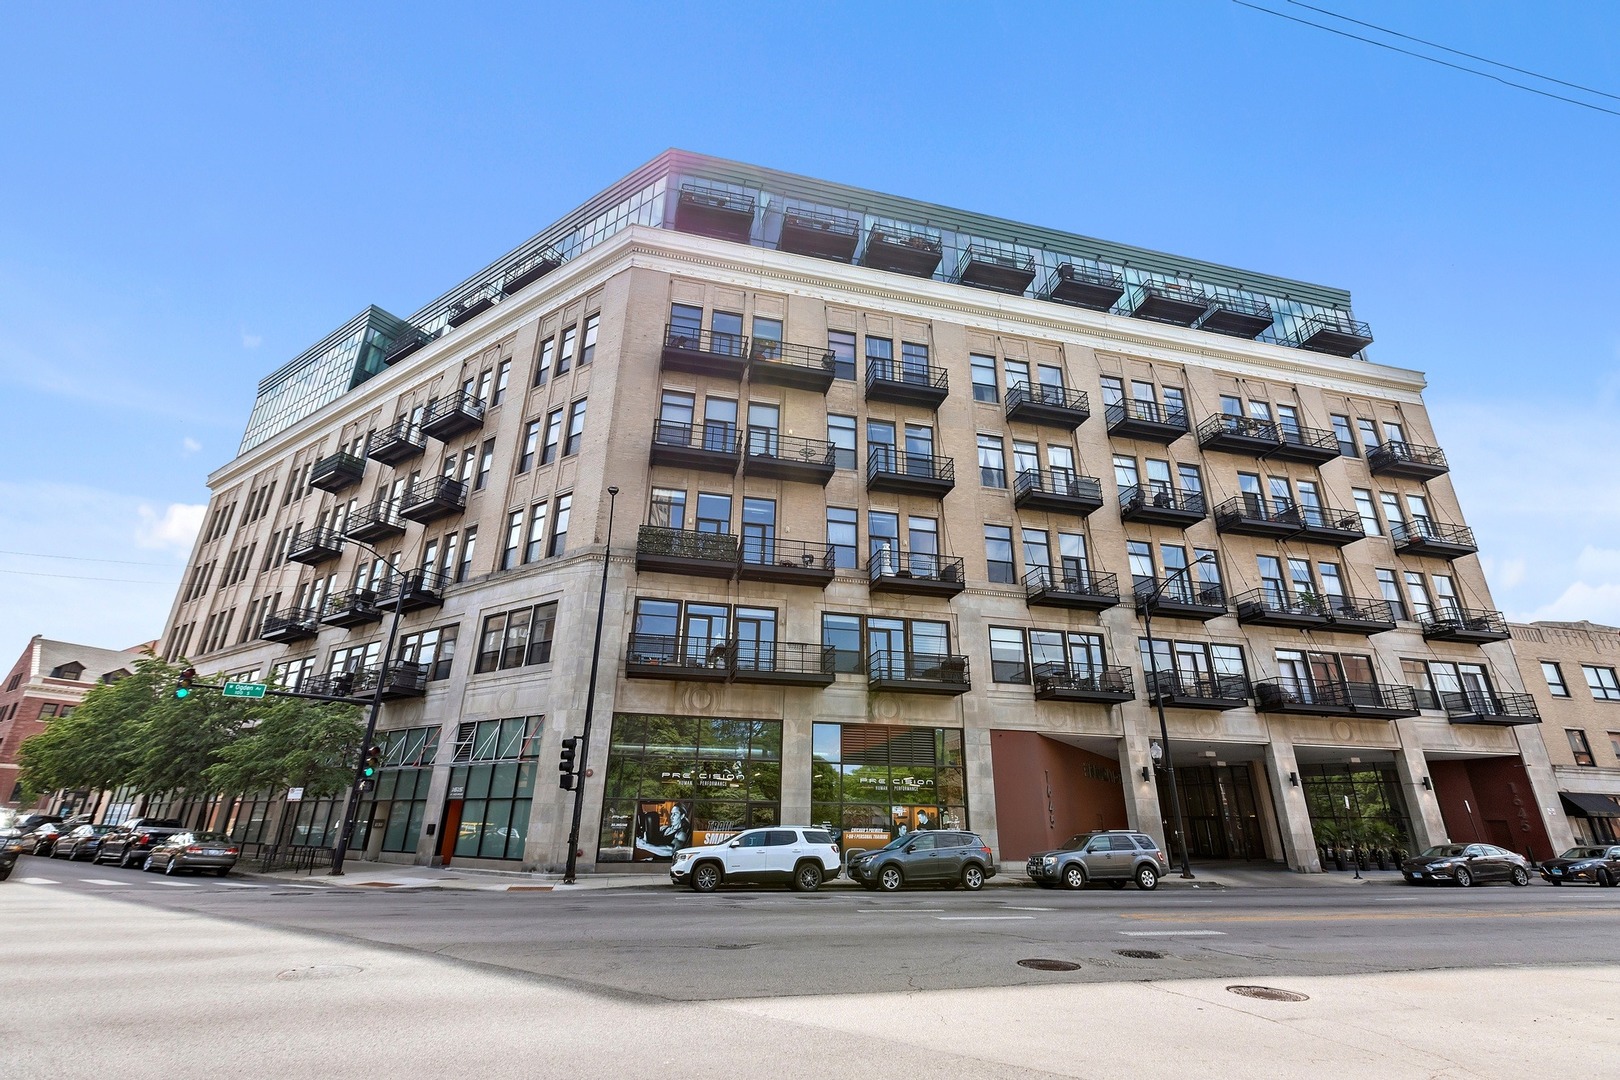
1520 876
890 878
705 877
807 878
1603 879
973 877
1074 877
5 872
125 862
1464 878
1147 878
147 865
172 867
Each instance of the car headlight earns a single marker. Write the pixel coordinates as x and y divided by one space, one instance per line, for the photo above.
1049 861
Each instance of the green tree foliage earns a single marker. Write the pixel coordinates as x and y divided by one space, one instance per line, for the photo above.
293 743
98 746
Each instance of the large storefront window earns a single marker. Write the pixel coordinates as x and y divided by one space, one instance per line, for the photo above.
402 787
676 781
317 823
1344 798
871 782
250 817
492 787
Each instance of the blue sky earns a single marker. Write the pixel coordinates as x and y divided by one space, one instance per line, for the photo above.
196 193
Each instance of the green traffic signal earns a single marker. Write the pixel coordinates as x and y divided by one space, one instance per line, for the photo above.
182 689
182 692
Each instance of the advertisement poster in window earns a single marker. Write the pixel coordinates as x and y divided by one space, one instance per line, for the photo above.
662 828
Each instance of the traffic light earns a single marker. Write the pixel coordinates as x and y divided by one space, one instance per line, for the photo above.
567 780
371 763
182 689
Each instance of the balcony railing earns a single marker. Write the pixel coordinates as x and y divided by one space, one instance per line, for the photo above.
904 382
1198 690
903 249
1278 607
714 211
1168 302
1161 506
892 569
824 236
1053 406
471 306
421 588
400 442
1255 515
1407 459
711 659
1237 316
994 268
337 471
1478 707
1308 445
675 656
1425 536
1081 682
1380 701
786 663
1472 626
1071 587
434 498
531 270
888 469
290 624
452 415
1176 597
790 562
1331 524
686 551
786 457
1239 435
314 546
354 608
1057 491
713 446
1146 420
704 352
378 521
917 672
399 680
782 363
410 339
1334 333
1084 285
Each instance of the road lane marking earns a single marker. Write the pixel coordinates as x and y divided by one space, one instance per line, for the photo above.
1368 916
38 881
898 911
1173 933
981 918
240 885
100 881
290 885
175 884
1015 907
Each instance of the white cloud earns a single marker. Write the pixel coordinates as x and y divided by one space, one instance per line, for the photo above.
175 528
189 445
251 341
1597 603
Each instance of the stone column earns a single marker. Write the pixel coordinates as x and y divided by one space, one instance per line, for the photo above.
1293 816
1141 796
1423 806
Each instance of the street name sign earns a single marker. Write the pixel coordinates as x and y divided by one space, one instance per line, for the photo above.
242 690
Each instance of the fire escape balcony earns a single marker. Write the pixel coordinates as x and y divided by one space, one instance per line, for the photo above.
531 270
471 306
1085 590
1425 536
714 211
1411 460
1146 420
1468 626
888 469
902 249
290 624
1198 690
1477 707
399 680
714 446
1057 492
378 521
822 236
906 383
354 608
787 562
1255 515
674 656
432 499
689 552
1097 685
400 442
786 457
915 573
409 340
1178 598
1274 607
1051 406
314 546
1239 435
1374 701
917 673
452 415
1358 615
1161 506
337 471
783 663
1307 445
1331 525
782 363
1237 316
1335 334
999 270
1084 285
422 589
1168 302
704 352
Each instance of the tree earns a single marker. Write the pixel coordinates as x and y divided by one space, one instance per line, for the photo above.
292 743
98 746
179 741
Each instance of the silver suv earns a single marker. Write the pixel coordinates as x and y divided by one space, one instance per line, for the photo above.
794 855
1116 856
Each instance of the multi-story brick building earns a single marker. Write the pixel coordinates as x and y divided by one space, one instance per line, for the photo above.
899 483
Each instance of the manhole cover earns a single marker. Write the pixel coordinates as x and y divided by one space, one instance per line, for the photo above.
319 971
1049 965
1140 954
1268 993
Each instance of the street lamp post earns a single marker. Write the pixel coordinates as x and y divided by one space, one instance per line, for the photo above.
590 698
1158 699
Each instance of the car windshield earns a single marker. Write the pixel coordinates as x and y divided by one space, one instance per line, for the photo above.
1076 842
898 841
1583 853
101 830
1443 851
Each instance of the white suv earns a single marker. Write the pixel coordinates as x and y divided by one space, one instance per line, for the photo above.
796 855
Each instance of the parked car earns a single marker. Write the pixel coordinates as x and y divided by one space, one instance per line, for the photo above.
81 843
943 857
42 838
129 844
1466 864
11 846
795 855
196 851
1597 863
1116 856
29 822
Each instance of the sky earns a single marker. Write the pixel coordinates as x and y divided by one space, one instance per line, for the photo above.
192 194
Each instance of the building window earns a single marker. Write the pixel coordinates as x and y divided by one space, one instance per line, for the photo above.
554 423
1367 511
290 674
998 554
1614 741
537 532
514 539
47 711
841 343
1555 679
565 351
984 378
486 459
992 462
1341 431
1008 662
1580 747
880 356
433 649
469 540
531 443
841 433
1390 589
841 537
1602 682
587 347
517 638
503 378
870 782
576 428
542 369
842 634
559 530
493 778
402 787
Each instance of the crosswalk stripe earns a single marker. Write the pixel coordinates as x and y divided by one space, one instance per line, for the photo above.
1173 933
240 885
39 881
176 884
100 881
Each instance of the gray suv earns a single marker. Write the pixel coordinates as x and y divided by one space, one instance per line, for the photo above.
1117 857
942 857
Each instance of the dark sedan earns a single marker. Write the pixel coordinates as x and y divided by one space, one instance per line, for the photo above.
81 843
1598 864
128 845
42 839
197 851
1466 864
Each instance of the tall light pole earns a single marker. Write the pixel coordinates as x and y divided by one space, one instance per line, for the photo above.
1158 699
590 698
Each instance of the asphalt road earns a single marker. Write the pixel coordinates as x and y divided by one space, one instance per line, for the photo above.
668 945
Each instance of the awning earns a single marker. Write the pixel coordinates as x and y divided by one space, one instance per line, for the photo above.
1589 805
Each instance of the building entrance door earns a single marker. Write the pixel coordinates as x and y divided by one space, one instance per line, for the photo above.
1223 820
449 831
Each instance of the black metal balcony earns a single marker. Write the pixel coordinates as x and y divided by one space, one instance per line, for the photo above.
1178 598
782 363
410 339
1198 690
1161 506
888 469
1411 460
1335 334
903 250
1425 536
1475 707
1146 420
1083 285
720 354
432 499
1275 607
399 680
822 236
1057 492
673 656
1331 525
783 663
422 589
1307 445
354 608
1237 316
314 546
290 624
1375 701
906 383
788 562
714 211
337 471
1358 615
1097 685
531 270
1255 515
786 457
1086 590
378 521
332 684
1239 435
711 447
1469 626
470 307
1168 302
401 442
996 269
915 573
662 550
917 673
452 415
1052 406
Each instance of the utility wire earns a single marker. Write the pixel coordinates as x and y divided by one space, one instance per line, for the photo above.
81 558
76 577
1430 59
1456 52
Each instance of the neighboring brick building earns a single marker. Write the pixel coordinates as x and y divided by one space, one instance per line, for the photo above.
48 680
